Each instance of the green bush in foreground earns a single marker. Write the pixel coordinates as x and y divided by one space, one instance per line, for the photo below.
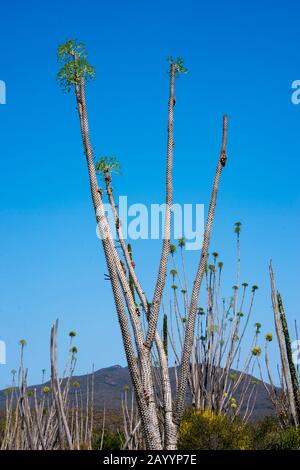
264 433
288 439
111 440
268 435
205 430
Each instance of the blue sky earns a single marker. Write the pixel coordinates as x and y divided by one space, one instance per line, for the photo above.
242 57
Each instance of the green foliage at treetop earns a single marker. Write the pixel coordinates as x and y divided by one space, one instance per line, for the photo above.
75 67
179 64
110 164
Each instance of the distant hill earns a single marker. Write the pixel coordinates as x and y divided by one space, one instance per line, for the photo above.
110 382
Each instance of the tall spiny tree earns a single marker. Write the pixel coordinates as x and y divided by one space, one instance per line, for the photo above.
74 73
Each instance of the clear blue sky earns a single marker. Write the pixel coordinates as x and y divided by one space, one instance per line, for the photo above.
242 56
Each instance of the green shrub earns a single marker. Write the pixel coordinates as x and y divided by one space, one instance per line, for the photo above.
205 430
267 435
288 439
111 440
264 433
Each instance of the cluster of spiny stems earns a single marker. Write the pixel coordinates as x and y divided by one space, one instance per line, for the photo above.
221 375
286 397
133 438
160 416
52 416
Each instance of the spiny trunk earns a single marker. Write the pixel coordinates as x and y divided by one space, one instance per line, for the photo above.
283 354
170 430
151 432
63 426
190 327
162 271
292 368
165 334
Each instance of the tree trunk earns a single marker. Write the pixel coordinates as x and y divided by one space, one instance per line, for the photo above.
190 327
149 424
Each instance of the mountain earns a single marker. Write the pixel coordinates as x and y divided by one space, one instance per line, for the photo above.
109 386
